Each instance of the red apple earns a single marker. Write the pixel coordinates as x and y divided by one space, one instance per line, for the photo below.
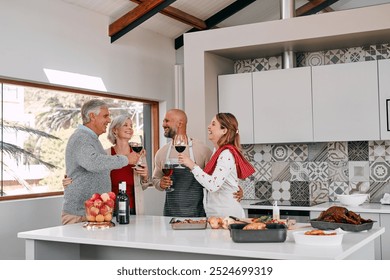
105 209
112 195
100 218
95 196
88 203
91 218
110 203
93 211
105 197
98 203
108 217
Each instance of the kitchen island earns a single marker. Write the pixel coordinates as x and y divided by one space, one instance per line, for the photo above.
151 237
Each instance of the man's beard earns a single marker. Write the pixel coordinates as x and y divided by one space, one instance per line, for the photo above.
170 133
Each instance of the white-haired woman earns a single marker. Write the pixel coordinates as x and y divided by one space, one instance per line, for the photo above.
119 134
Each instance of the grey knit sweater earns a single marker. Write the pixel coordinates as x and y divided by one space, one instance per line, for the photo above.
89 166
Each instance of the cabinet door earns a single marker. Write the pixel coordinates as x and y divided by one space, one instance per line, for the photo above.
282 106
345 102
385 238
235 96
384 97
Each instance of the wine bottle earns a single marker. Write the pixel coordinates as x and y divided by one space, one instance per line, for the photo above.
123 214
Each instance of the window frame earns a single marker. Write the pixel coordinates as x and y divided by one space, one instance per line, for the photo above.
154 119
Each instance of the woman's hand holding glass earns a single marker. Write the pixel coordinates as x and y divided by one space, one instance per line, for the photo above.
137 146
180 142
142 170
185 160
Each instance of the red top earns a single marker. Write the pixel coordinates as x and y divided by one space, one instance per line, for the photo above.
124 174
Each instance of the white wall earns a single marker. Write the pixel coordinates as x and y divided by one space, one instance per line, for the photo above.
53 34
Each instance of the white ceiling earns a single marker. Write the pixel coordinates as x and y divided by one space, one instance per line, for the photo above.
258 11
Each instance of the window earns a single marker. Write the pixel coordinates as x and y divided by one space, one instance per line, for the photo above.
36 122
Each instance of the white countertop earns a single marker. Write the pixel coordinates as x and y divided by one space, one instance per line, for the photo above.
364 208
155 233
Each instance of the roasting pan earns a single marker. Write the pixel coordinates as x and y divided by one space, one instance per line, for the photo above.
273 233
344 226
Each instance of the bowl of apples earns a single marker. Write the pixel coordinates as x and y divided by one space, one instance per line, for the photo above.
99 209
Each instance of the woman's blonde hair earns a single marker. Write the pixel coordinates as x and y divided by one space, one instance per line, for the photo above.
229 121
118 121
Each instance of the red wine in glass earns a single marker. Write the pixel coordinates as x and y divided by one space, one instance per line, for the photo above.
137 149
180 149
168 171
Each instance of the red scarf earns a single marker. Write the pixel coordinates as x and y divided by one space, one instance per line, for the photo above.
244 168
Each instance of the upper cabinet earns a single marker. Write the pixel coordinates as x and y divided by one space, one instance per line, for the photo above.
341 102
235 96
282 106
345 102
384 97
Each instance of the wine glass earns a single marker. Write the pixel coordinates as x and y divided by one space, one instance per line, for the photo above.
137 146
180 143
168 171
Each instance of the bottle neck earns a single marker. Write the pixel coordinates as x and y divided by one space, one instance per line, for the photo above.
122 187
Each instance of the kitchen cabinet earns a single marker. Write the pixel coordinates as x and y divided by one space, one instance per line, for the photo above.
282 106
384 97
271 106
345 102
385 238
235 96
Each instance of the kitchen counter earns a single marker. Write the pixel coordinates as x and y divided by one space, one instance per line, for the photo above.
151 237
364 208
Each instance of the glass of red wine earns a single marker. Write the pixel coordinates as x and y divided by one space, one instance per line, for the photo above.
137 146
180 143
168 171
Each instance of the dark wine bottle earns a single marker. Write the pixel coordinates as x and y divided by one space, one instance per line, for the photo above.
123 213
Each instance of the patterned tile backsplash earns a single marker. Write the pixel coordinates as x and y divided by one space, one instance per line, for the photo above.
318 171
356 54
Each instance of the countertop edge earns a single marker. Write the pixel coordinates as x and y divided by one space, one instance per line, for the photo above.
364 208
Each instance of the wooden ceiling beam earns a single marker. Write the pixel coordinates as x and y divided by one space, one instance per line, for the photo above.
179 15
313 7
135 17
212 21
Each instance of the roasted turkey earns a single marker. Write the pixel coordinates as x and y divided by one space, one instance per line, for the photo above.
338 214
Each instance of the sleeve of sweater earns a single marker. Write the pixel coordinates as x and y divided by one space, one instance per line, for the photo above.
213 182
89 155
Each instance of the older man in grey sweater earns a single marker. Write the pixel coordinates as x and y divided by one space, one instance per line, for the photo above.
87 162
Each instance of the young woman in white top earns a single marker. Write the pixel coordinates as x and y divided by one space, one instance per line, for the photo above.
226 166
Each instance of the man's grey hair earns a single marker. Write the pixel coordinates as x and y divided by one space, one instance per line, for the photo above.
115 123
92 106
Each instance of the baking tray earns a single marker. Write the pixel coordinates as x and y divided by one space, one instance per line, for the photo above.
344 226
272 233
188 223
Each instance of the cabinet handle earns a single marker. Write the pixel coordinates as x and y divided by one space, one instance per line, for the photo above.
387 114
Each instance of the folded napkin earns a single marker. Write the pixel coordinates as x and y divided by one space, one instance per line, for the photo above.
385 199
